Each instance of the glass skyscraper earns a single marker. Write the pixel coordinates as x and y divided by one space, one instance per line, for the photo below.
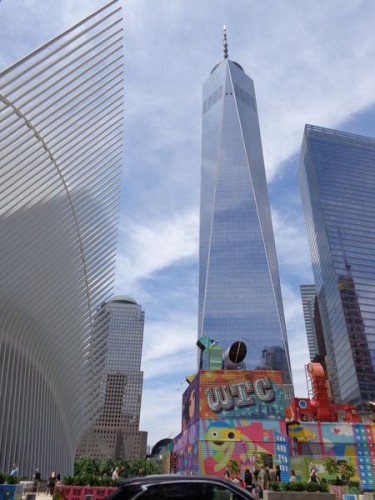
337 184
239 286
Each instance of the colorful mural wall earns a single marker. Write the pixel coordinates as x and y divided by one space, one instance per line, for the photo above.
354 443
244 440
236 415
239 415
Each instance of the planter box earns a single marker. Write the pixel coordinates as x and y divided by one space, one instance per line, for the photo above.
80 492
7 491
297 495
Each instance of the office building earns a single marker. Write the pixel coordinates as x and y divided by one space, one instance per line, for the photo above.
114 433
239 286
61 140
337 183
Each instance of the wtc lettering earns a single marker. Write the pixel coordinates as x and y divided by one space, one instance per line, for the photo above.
228 396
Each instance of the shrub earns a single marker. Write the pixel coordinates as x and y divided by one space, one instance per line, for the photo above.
313 486
323 487
296 486
299 486
68 481
276 486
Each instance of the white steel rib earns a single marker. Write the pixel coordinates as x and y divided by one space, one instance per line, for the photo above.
61 137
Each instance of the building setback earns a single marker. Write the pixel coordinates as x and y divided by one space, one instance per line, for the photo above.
60 163
239 287
337 184
118 331
308 294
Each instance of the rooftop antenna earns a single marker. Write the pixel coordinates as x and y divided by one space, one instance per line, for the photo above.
225 43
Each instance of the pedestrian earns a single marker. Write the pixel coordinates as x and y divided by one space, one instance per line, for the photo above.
262 482
115 474
248 478
14 471
36 479
278 473
51 483
256 472
293 476
313 476
272 474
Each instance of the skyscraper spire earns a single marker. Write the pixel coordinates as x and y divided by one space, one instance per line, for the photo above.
225 42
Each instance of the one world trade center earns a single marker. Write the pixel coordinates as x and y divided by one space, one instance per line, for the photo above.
239 286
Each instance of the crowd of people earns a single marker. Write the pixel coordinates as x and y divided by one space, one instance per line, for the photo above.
259 478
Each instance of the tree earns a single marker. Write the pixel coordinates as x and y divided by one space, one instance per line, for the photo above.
234 467
341 469
86 466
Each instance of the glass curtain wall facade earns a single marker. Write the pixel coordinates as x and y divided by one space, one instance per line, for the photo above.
61 137
115 431
239 287
337 184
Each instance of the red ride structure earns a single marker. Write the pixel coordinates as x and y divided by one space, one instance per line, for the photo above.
319 406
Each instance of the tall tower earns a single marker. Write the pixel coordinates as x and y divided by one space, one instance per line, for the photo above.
118 331
239 285
337 184
61 137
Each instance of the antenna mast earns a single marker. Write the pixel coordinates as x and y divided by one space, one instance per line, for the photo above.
225 43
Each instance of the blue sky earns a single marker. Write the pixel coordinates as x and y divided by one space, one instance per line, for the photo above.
312 62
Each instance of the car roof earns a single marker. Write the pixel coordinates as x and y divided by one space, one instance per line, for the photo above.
140 481
163 478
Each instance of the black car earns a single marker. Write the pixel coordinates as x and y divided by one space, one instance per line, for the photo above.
180 488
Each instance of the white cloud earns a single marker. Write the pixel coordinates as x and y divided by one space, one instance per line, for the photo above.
151 246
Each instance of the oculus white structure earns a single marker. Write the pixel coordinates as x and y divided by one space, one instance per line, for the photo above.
61 114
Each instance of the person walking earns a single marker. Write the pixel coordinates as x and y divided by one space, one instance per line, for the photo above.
115 474
36 479
278 473
51 483
262 482
248 478
313 476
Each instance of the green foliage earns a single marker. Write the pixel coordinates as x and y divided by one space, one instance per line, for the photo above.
323 486
295 486
353 488
234 467
68 480
276 486
86 465
299 486
8 479
313 486
342 470
330 465
98 472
